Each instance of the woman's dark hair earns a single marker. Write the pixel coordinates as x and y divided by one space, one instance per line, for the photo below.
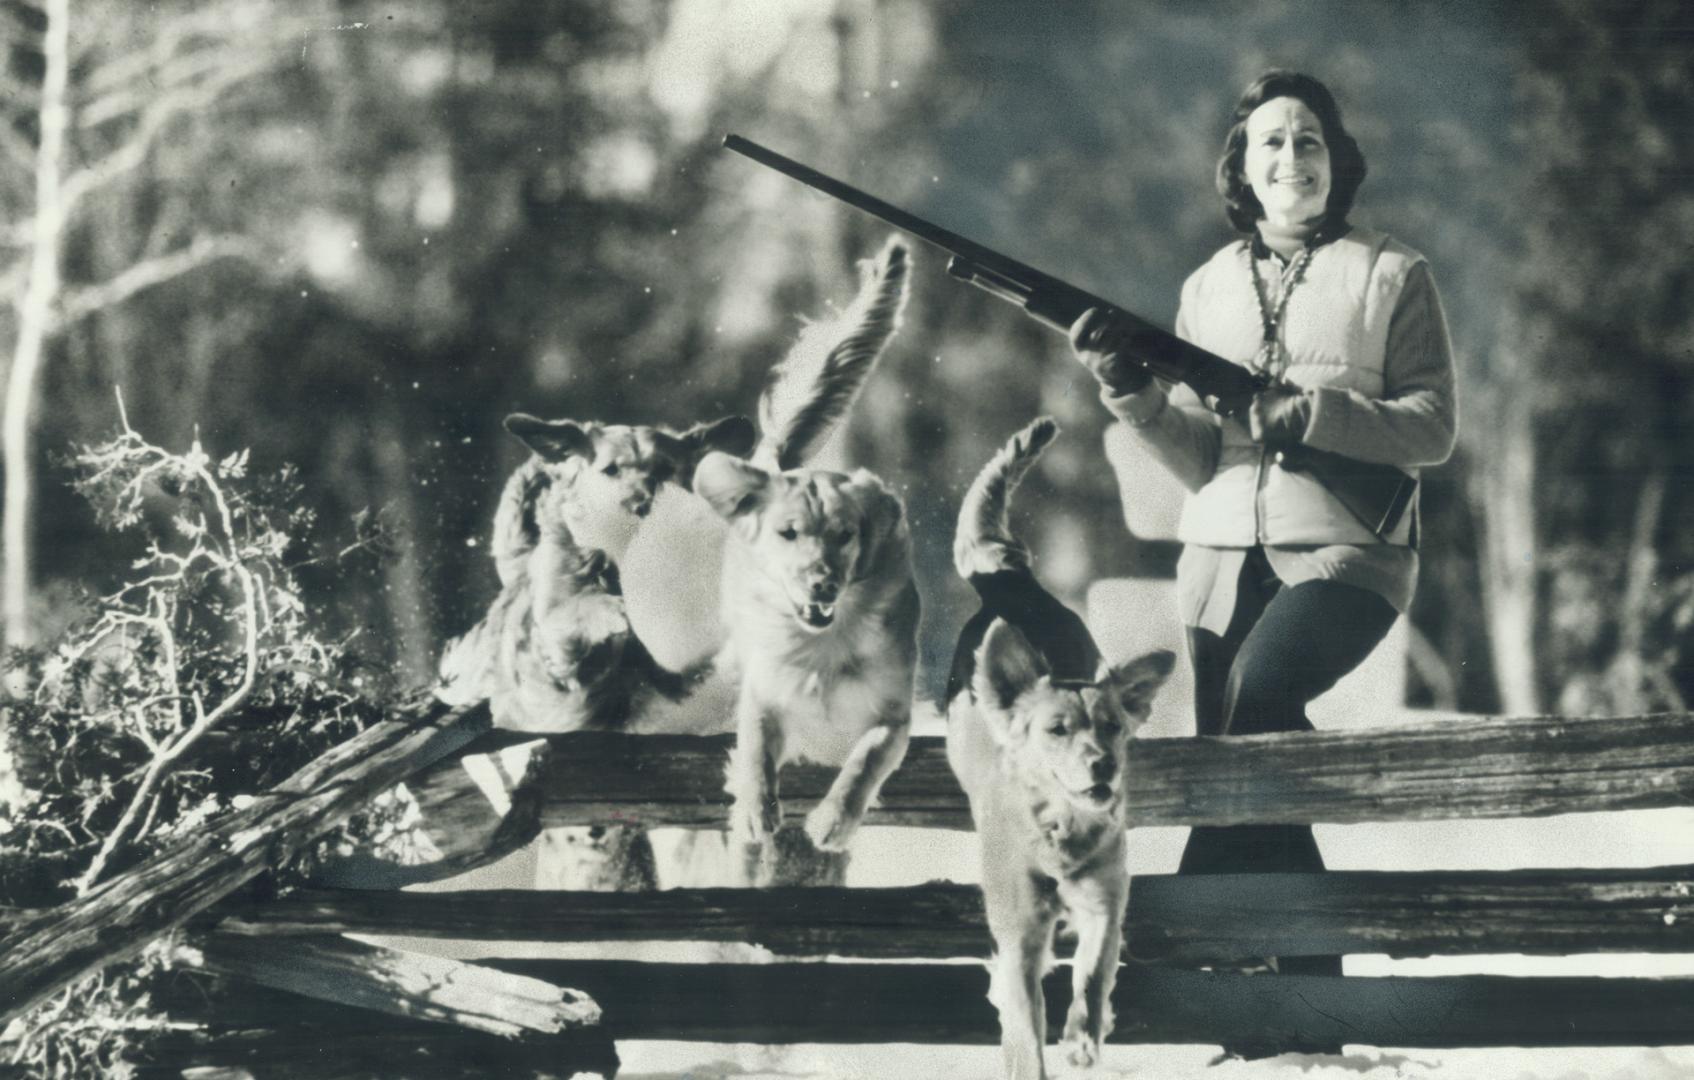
1346 160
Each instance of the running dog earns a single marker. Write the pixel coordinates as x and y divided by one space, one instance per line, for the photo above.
1038 728
818 592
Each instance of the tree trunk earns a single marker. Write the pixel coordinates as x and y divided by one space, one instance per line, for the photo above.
1510 552
35 324
407 599
118 918
1633 684
413 985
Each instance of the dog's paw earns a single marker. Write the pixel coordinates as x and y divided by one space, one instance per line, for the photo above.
830 827
754 819
1081 1048
1080 1051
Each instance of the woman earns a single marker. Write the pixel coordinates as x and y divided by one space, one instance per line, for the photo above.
1282 590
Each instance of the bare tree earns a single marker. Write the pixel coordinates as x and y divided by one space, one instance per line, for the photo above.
100 106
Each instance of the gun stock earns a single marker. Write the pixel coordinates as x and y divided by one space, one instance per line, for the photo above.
1377 495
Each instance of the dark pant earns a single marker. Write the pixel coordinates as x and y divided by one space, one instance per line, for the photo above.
1283 647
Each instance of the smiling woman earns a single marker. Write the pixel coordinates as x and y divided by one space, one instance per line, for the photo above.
1282 590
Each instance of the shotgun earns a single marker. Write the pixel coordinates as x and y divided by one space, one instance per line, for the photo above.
1377 495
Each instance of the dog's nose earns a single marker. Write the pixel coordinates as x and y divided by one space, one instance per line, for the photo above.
1104 769
823 590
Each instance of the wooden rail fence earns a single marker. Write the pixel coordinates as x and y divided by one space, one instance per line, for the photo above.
934 990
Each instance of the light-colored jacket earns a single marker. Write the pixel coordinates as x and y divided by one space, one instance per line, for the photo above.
1365 333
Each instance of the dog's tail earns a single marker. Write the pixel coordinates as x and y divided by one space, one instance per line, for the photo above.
817 382
983 542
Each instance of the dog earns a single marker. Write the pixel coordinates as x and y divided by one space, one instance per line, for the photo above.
819 596
556 651
1038 729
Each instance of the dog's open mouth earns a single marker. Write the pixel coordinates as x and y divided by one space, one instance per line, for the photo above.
817 616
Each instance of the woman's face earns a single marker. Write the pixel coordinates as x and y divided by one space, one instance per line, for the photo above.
1287 161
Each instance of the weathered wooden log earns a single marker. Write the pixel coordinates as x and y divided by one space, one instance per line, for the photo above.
1196 920
461 834
269 1034
413 985
300 1051
947 1003
1454 768
1178 920
54 948
935 920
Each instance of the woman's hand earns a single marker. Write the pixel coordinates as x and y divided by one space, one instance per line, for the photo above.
1100 340
1278 415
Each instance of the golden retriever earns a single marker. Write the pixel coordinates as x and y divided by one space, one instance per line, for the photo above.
1038 731
818 593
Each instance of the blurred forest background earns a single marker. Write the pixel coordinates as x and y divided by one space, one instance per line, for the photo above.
353 237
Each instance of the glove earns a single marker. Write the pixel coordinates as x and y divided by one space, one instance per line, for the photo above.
1100 342
1278 416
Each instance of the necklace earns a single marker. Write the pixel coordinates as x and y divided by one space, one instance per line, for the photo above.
1272 358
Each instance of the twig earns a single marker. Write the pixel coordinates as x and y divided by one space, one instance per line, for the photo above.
204 720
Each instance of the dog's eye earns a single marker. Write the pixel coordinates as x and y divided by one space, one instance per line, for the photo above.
788 532
1056 729
611 468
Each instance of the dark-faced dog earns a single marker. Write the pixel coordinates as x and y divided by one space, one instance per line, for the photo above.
1038 729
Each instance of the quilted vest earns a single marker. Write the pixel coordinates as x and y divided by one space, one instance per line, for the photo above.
1335 329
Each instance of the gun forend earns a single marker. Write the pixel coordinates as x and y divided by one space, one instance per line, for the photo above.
983 278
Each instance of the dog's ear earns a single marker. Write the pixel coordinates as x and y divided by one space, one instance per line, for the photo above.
1134 682
882 522
1006 667
553 440
732 435
732 487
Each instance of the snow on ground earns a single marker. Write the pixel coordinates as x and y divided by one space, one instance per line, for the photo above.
686 1061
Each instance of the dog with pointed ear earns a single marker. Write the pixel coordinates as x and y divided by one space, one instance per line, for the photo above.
597 481
1043 761
1039 732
